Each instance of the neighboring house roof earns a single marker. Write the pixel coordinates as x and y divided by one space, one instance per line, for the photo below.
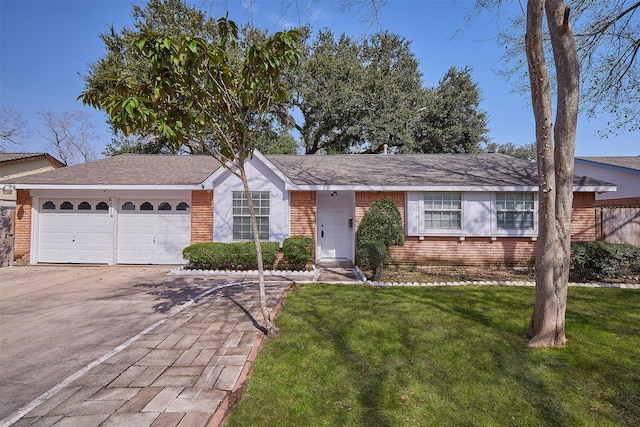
362 172
6 158
130 169
628 163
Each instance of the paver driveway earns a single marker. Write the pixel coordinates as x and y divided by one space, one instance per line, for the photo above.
54 320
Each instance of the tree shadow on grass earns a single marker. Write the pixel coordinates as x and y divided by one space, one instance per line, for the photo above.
488 328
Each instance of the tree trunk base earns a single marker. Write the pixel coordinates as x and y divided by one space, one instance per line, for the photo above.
547 342
271 330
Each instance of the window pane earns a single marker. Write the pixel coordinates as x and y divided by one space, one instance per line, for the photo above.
84 206
128 206
102 206
443 210
66 205
182 206
514 210
49 205
242 218
164 206
146 206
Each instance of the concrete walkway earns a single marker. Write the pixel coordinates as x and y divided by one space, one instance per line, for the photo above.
182 371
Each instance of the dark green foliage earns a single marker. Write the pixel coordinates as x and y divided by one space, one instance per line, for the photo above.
450 121
297 251
524 152
601 260
381 226
229 256
381 223
372 256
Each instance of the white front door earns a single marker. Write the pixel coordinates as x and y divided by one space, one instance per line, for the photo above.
335 233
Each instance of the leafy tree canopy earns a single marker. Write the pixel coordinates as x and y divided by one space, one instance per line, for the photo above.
173 19
347 96
451 120
524 152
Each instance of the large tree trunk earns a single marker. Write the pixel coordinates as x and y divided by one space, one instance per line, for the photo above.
555 151
270 328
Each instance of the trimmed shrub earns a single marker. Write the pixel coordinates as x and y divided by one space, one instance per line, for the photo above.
600 260
381 226
381 223
297 251
229 256
372 255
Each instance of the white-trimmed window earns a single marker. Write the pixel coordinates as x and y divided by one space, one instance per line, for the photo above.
515 211
442 211
242 229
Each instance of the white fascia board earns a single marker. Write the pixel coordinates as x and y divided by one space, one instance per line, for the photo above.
108 187
443 188
595 188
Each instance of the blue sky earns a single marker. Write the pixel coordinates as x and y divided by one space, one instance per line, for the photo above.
45 47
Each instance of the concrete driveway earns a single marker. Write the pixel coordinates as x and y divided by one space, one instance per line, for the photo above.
55 320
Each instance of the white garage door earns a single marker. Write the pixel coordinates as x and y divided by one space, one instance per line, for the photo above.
74 231
153 231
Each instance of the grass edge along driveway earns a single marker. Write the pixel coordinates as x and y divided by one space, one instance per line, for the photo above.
362 356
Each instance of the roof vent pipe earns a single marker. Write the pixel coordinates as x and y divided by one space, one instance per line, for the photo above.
384 149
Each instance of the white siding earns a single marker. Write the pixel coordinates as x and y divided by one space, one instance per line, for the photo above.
260 179
628 182
478 217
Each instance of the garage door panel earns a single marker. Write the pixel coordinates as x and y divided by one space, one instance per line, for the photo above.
72 235
153 236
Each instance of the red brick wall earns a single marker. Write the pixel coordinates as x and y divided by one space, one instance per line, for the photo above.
302 213
22 242
583 217
625 202
201 216
511 251
364 199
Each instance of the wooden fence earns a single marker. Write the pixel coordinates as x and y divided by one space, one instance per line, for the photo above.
619 224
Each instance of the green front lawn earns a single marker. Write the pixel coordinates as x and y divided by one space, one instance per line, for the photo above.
359 356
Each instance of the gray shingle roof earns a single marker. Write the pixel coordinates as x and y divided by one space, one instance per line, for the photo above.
412 170
406 170
130 169
627 162
364 170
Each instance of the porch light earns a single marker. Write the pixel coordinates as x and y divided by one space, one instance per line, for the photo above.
8 188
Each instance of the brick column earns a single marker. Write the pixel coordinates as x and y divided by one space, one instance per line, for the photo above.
22 242
201 216
583 217
303 213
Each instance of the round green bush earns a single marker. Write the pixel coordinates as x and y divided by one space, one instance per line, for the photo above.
297 251
372 256
381 223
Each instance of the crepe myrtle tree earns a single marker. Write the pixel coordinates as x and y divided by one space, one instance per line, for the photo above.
203 92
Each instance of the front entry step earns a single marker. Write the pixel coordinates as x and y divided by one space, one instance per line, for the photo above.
334 264
337 272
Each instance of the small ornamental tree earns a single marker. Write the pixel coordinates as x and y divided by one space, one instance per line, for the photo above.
209 94
381 227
